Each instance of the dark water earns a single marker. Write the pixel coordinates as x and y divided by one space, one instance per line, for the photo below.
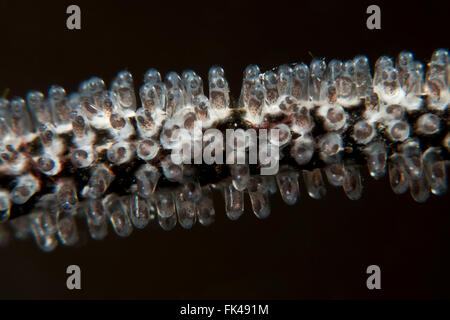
315 249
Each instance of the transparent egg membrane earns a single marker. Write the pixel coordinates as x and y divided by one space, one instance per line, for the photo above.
100 160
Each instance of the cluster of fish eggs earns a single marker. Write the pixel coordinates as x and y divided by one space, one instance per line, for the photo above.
61 154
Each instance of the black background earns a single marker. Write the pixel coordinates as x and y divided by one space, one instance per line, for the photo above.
315 249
